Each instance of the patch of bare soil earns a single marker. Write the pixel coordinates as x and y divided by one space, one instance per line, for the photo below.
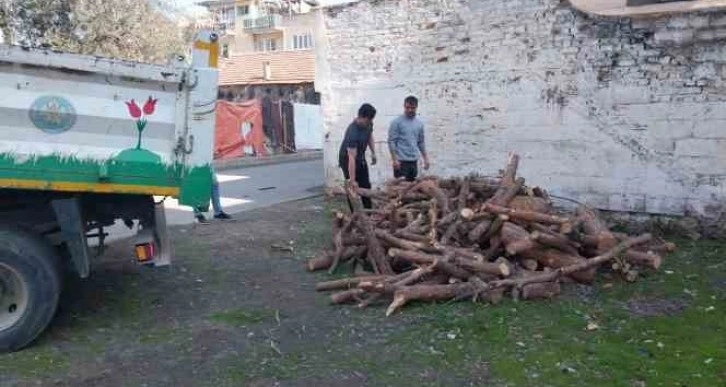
651 307
232 310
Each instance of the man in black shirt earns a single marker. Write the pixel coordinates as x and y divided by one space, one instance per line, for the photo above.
351 157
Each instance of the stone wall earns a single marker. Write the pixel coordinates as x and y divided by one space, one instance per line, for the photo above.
625 115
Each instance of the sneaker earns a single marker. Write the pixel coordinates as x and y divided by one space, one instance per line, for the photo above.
201 219
222 215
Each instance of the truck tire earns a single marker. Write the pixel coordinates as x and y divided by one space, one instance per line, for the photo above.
30 286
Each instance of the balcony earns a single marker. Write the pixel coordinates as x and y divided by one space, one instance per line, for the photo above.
262 24
224 27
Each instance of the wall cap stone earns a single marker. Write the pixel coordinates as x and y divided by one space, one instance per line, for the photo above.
619 8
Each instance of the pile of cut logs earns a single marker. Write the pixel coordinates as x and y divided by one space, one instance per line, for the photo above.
472 238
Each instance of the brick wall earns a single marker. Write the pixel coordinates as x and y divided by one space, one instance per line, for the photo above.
626 115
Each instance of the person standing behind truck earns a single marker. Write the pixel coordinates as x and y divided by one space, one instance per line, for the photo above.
406 142
351 157
216 204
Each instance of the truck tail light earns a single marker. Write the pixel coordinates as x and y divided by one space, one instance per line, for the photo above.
145 252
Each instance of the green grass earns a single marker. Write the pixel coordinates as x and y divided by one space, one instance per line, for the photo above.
546 343
679 340
32 362
667 329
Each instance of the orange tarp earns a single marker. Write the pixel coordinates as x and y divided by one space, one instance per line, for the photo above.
239 130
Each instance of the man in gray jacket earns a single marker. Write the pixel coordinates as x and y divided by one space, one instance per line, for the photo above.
406 142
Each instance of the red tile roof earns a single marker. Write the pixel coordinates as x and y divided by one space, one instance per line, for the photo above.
286 67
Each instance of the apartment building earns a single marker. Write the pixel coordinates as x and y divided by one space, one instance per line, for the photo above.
262 25
268 64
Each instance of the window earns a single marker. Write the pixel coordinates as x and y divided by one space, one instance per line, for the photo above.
243 10
266 44
227 19
302 42
228 15
225 50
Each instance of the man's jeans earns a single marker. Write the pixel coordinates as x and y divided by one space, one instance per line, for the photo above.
216 201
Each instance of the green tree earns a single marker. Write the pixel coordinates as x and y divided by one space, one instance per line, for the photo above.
142 30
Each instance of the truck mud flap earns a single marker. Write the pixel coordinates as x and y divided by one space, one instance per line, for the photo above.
73 231
162 233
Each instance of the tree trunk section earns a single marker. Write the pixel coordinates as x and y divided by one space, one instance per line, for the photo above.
476 234
409 236
495 227
516 239
510 172
451 231
426 293
405 244
520 245
448 219
530 204
557 259
595 227
433 213
526 216
650 260
429 188
376 254
347 283
529 264
463 194
419 258
323 260
555 240
451 269
507 193
585 265
499 269
495 244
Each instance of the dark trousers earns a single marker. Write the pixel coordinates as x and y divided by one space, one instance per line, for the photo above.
408 169
364 181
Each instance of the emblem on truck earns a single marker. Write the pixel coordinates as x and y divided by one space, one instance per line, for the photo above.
52 114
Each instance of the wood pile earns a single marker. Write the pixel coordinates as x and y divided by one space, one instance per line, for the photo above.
472 238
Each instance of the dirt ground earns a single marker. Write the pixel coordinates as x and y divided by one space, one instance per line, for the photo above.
231 311
234 311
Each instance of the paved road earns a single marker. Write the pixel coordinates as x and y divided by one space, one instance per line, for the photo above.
249 188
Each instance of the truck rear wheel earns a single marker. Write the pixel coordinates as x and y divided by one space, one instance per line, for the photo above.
30 286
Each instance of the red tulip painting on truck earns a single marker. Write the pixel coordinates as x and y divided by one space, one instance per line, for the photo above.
140 114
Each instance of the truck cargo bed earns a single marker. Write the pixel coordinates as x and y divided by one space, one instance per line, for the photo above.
87 124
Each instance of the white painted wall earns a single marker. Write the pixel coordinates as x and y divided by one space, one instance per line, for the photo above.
308 127
624 115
